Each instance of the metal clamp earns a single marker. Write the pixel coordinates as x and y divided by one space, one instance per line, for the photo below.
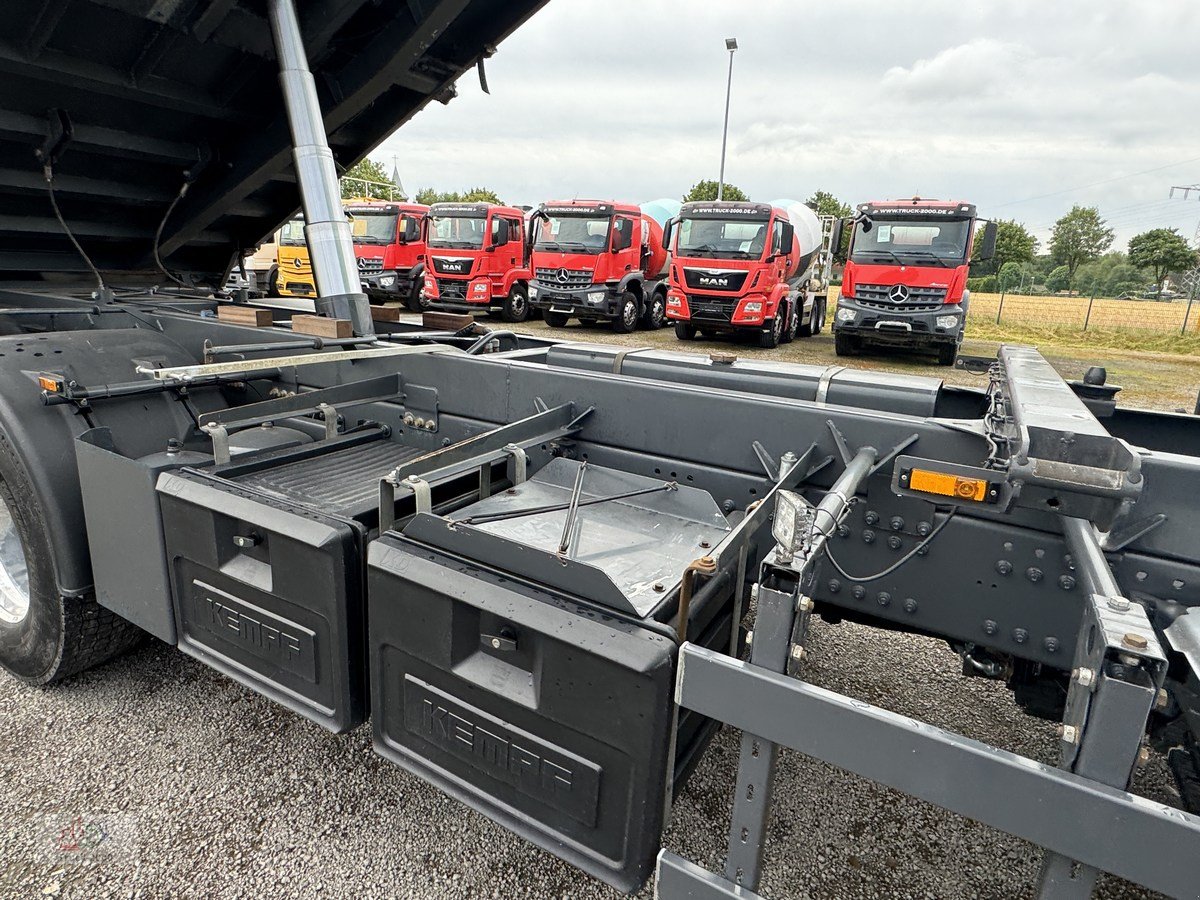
520 463
329 413
220 441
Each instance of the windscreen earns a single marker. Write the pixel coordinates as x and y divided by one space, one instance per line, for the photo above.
722 239
572 234
944 241
463 232
372 226
292 234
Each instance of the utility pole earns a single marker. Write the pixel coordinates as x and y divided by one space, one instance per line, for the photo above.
1185 193
731 46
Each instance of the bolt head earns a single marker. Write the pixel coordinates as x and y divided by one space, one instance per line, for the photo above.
858 592
1134 641
871 517
1034 574
924 528
910 605
798 653
1068 734
883 598
1003 566
805 604
1143 756
834 585
990 626
749 637
1020 635
1066 582
1083 677
1051 644
496 643
1162 699
868 536
1118 604
897 523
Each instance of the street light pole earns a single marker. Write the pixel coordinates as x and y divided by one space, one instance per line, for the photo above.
731 46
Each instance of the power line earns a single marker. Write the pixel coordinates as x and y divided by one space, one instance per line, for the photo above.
1097 183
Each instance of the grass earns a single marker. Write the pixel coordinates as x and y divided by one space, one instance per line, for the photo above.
1129 340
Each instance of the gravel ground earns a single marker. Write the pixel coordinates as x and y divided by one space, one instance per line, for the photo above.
207 790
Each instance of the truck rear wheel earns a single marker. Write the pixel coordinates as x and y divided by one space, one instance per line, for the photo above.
816 318
516 305
655 314
685 331
44 636
555 319
627 314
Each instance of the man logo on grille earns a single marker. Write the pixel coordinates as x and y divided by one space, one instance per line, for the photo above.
898 294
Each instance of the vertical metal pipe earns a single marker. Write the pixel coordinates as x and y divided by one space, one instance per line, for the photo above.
330 246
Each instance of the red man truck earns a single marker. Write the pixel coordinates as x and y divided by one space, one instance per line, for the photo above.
905 280
746 266
478 260
387 243
598 259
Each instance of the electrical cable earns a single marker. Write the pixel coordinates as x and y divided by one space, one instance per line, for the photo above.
898 563
158 237
48 174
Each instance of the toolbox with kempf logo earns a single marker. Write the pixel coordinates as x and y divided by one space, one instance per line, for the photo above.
536 684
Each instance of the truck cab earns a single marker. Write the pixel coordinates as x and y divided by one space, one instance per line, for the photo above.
597 260
478 260
905 279
390 250
739 266
295 277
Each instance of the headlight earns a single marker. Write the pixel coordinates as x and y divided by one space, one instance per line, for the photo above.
429 285
596 297
947 321
533 292
479 288
752 307
845 314
674 302
387 280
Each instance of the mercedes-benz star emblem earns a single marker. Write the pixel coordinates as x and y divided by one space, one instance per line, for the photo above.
563 277
898 294
362 262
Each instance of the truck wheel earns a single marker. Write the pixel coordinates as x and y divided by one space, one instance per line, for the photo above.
627 316
273 282
947 354
516 305
843 345
793 324
555 319
685 331
769 338
814 323
415 301
655 314
45 637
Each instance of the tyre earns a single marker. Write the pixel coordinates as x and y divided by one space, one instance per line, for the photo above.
685 331
627 314
516 305
793 324
273 282
843 344
555 319
947 354
655 314
415 301
44 637
816 320
770 337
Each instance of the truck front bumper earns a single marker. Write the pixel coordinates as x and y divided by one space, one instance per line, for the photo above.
594 302
387 284
900 327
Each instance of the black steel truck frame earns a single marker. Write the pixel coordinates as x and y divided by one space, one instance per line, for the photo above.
528 562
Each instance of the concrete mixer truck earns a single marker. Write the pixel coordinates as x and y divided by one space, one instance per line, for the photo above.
600 260
746 266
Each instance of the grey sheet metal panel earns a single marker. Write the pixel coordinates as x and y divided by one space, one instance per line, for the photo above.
641 544
906 394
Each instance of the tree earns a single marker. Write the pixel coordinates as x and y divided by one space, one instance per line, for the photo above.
707 190
1162 250
1013 244
1009 276
354 182
1059 279
1077 237
824 203
428 196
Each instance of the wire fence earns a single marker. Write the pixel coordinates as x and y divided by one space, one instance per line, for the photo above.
1179 316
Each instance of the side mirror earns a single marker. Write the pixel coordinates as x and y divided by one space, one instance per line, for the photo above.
988 249
668 227
412 231
787 236
835 240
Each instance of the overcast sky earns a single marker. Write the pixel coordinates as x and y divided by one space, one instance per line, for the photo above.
1024 108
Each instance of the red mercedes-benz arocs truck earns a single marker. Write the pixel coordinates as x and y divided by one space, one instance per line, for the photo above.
478 260
905 280
598 259
389 249
745 266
